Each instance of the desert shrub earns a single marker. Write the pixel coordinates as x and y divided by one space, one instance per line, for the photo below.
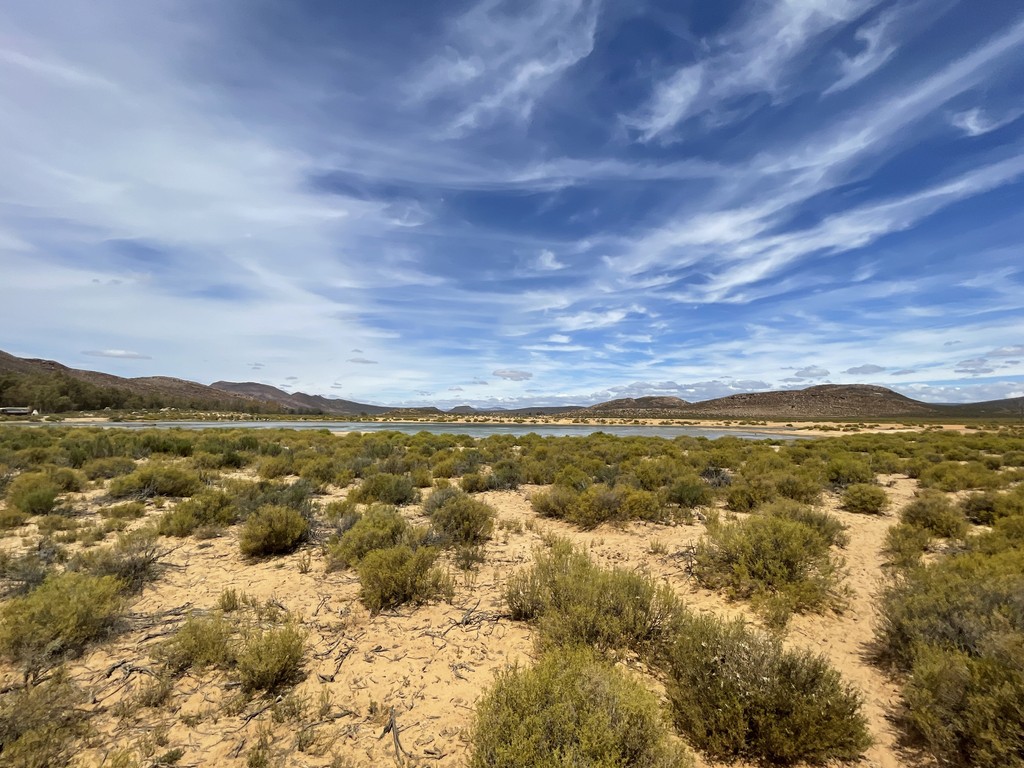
688 492
865 499
249 497
954 476
474 482
571 709
441 495
463 521
506 475
798 486
380 527
932 511
574 602
40 723
130 510
782 564
58 618
201 642
66 479
273 467
156 480
23 572
967 710
885 462
956 627
572 478
737 694
12 518
645 505
209 508
747 495
273 530
842 471
386 488
985 508
32 493
904 545
271 659
831 529
397 575
557 502
598 504
132 560
321 470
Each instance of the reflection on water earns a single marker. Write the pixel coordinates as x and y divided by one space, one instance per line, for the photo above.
476 430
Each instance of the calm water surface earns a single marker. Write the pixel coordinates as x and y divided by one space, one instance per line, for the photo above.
475 430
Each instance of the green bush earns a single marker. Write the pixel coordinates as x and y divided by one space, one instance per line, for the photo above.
59 618
571 709
201 642
386 488
831 529
784 565
904 545
689 492
463 521
474 482
985 508
156 480
842 471
130 510
207 509
748 495
736 694
397 575
557 502
956 628
66 479
380 527
39 724
598 504
273 531
932 511
32 493
574 602
865 499
440 496
954 476
799 486
271 659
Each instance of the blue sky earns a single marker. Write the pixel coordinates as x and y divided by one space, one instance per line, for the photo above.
518 202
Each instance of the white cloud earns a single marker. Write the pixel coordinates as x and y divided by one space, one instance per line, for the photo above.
865 369
559 338
878 48
510 374
118 354
811 372
975 122
1010 351
546 261
361 361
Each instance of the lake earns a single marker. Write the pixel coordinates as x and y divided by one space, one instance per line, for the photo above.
475 430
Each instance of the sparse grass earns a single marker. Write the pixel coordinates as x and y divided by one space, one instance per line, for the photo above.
397 575
571 709
736 694
273 530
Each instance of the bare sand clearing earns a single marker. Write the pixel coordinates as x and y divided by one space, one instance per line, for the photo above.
429 664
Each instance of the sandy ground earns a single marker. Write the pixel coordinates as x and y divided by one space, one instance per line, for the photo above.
429 664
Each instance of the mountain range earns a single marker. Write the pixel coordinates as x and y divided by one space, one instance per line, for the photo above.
53 387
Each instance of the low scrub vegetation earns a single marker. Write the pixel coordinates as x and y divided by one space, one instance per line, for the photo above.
463 520
397 575
736 694
155 480
956 629
207 510
39 724
379 527
386 488
273 530
270 659
933 512
865 499
572 602
784 565
58 619
571 709
33 493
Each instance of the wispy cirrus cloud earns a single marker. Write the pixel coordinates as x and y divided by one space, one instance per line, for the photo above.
117 354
